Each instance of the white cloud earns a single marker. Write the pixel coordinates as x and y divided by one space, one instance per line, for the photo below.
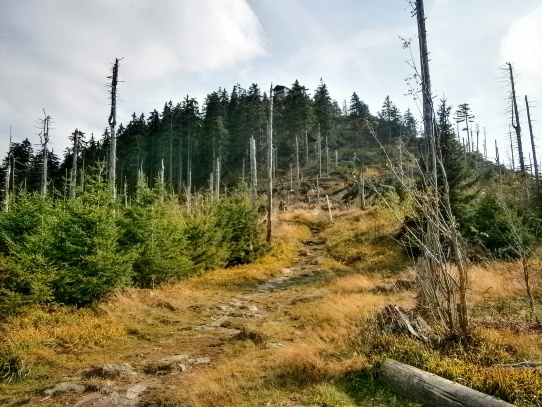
57 54
522 45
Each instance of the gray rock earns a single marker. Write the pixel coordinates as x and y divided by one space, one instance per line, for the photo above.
134 392
200 361
286 272
174 359
274 345
118 370
65 387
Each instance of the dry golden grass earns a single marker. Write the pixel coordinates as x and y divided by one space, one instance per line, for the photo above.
320 319
353 283
61 327
363 240
495 280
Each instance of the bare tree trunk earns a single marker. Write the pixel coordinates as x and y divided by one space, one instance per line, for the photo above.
516 125
512 148
112 124
317 189
362 189
439 292
180 181
306 150
44 139
297 159
327 159
73 178
497 158
217 194
253 169
189 166
535 162
7 176
171 155
319 152
270 167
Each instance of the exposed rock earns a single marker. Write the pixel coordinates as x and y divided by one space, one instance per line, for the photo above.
174 359
114 371
286 272
65 387
274 345
134 392
200 361
316 261
167 365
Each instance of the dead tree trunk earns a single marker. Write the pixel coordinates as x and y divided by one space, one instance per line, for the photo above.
112 123
253 170
439 293
270 167
511 148
319 152
7 176
73 179
306 150
44 140
297 159
171 155
189 166
515 123
533 147
432 390
180 181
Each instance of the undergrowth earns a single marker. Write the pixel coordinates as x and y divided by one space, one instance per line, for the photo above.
478 361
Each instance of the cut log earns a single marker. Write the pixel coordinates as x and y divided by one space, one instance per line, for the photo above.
433 390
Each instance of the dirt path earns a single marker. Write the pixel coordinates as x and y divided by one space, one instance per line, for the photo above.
198 348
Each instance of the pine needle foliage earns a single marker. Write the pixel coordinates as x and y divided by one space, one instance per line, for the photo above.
78 251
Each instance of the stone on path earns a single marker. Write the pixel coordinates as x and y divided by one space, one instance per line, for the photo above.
65 387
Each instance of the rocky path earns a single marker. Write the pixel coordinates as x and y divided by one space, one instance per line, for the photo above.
126 384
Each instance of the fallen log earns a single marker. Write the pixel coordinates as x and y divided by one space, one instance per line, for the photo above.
432 390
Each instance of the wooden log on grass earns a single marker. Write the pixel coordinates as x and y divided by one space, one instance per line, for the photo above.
432 390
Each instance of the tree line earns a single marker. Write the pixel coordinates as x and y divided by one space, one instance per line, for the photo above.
188 140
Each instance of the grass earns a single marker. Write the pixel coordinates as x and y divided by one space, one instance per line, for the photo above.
327 344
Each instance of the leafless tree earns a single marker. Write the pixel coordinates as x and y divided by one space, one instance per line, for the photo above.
270 167
533 147
515 116
44 126
112 123
7 176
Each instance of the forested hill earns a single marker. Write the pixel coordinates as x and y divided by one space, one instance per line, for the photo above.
188 138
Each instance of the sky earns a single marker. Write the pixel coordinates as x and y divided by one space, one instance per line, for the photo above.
56 55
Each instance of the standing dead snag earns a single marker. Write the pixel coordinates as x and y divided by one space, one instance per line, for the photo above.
515 118
77 136
442 293
112 123
270 167
43 124
253 170
535 162
7 176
